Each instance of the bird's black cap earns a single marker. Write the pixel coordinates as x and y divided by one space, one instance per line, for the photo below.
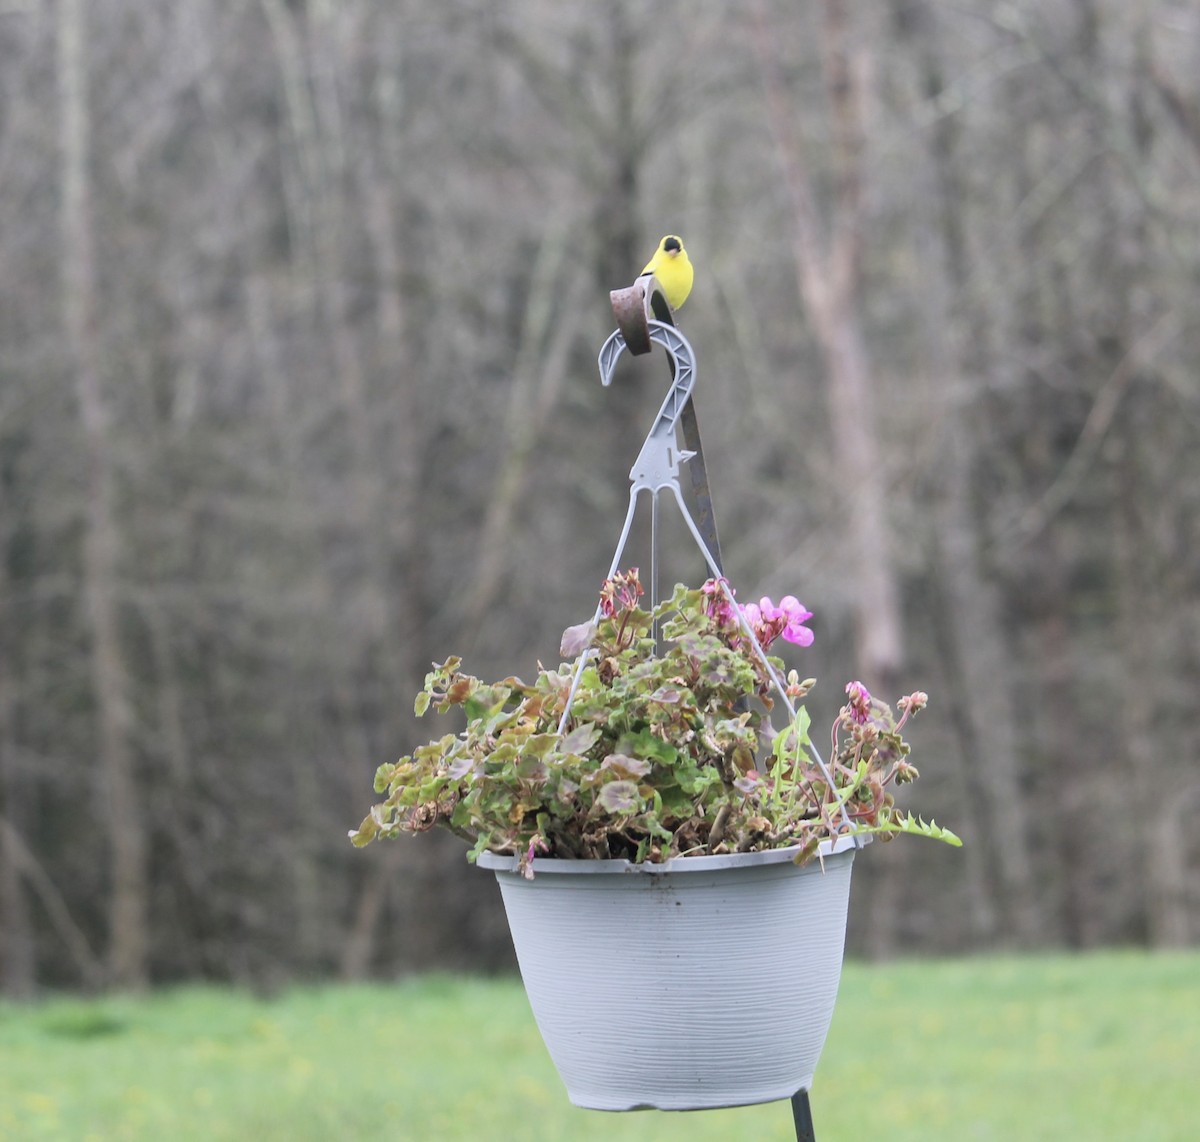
672 243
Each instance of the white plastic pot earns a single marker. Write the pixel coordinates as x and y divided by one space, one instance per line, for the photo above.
698 983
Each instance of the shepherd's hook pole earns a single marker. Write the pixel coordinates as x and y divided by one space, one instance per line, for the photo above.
802 1116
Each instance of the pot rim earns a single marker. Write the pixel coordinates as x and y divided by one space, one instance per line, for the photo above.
509 862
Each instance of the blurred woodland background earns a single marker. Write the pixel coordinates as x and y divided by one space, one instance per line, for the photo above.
299 308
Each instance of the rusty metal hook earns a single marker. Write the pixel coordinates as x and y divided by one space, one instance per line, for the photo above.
635 307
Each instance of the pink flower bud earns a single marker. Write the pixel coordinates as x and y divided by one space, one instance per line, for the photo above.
859 703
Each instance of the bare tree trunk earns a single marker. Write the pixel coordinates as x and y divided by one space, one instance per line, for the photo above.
1163 599
313 933
18 971
388 513
375 886
382 514
91 971
985 896
985 674
541 363
1150 596
1143 609
829 277
617 208
128 908
377 512
18 976
1078 907
970 600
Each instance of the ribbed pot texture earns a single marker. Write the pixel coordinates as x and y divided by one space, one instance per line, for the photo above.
699 983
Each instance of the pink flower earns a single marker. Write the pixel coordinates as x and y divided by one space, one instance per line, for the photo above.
766 620
786 620
795 630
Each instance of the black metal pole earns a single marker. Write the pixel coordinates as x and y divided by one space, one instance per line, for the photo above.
802 1114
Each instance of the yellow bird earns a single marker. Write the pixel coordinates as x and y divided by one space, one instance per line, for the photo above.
671 266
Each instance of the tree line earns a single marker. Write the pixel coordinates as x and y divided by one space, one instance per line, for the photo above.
299 308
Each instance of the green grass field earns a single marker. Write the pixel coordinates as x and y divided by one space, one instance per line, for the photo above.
1094 1047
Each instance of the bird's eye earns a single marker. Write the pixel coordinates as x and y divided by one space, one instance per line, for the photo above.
672 244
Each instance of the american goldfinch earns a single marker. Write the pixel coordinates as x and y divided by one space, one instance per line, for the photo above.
674 272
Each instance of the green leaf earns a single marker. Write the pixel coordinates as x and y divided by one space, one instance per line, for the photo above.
915 826
801 724
474 709
422 703
580 739
792 741
624 766
647 745
366 832
460 768
537 746
531 768
695 779
576 639
619 797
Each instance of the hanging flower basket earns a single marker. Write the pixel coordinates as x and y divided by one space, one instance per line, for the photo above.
676 873
698 983
675 869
